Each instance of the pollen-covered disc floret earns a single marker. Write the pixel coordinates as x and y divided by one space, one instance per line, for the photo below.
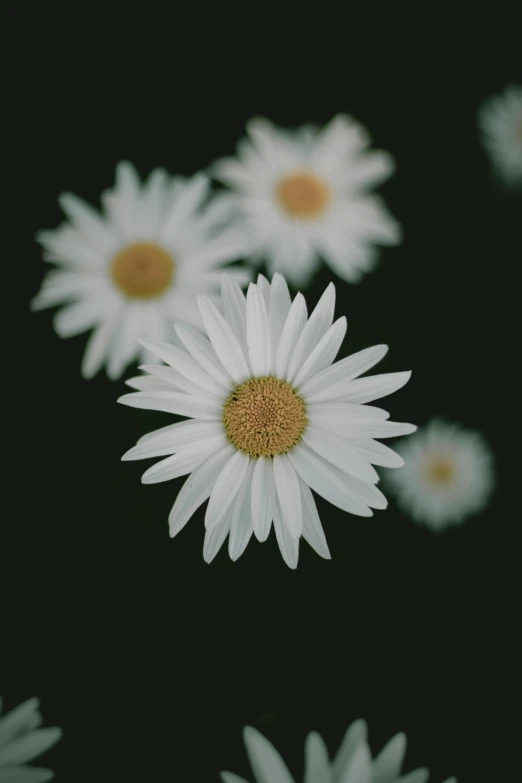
272 416
131 271
353 762
264 417
305 195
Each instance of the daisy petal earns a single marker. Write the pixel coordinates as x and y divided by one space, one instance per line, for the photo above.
229 777
289 495
200 348
377 453
292 329
25 775
241 523
317 762
264 289
226 488
368 389
188 458
387 765
185 364
324 480
197 489
258 333
313 532
340 453
16 720
324 352
420 776
29 746
359 769
88 222
171 378
316 327
263 498
355 735
332 381
266 763
215 538
203 407
168 440
278 309
234 308
97 347
288 545
224 341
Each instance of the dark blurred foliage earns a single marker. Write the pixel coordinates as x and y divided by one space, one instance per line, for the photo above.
151 660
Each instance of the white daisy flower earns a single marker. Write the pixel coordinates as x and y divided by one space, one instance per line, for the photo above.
21 740
128 273
305 195
272 417
500 120
353 762
448 475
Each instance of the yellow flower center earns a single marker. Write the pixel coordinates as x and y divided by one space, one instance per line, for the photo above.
264 417
142 270
440 470
303 195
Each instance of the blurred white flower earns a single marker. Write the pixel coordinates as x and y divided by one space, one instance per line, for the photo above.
500 120
305 195
353 762
21 740
448 475
130 272
272 418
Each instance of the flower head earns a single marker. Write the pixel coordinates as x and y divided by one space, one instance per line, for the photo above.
271 417
306 195
500 120
353 762
448 475
130 272
22 740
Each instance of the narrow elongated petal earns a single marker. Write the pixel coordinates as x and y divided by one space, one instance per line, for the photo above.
421 776
340 452
197 489
223 340
322 479
316 327
333 381
263 498
356 735
226 488
229 777
264 289
288 494
324 352
188 458
288 545
364 390
377 453
241 523
173 378
200 348
258 333
173 402
278 309
16 720
215 538
185 364
97 347
313 532
29 746
169 440
317 762
292 329
387 766
359 769
25 774
267 765
234 308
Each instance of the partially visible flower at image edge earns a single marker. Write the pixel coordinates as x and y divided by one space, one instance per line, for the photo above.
21 741
353 762
305 195
500 122
129 272
273 416
448 475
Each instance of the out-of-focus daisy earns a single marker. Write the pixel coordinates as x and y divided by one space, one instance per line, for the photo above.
353 762
306 195
500 120
130 272
448 475
21 740
272 417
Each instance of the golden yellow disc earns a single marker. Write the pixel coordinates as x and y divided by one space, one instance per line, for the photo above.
143 270
264 417
303 195
440 470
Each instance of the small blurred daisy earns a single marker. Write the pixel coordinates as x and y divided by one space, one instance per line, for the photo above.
272 418
21 740
305 195
448 475
500 120
353 762
130 272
